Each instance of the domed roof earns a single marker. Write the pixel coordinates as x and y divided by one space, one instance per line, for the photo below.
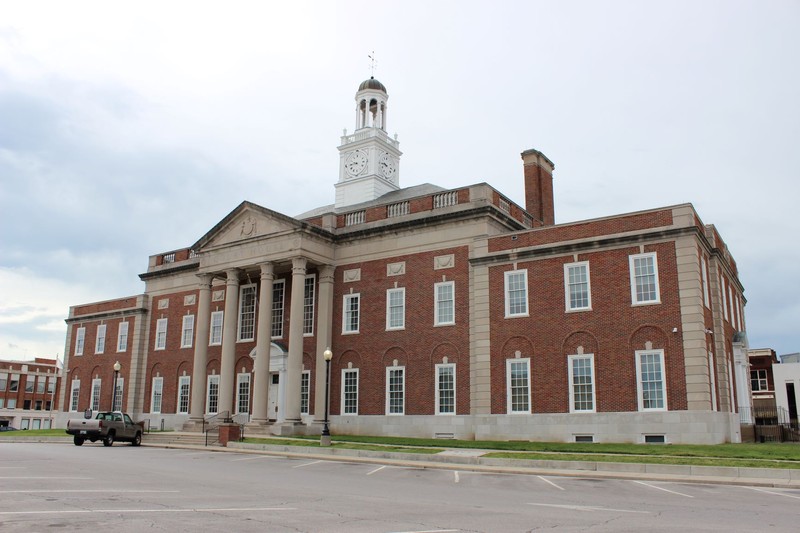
371 83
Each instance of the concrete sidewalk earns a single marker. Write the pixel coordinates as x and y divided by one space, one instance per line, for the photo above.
474 460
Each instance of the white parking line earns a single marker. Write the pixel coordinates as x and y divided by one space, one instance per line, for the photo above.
775 493
662 488
104 491
587 508
376 470
307 464
101 511
252 458
456 475
44 477
195 454
428 531
548 481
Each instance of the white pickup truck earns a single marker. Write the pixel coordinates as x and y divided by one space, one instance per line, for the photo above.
106 426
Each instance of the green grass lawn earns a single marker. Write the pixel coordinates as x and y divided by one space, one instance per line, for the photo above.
34 433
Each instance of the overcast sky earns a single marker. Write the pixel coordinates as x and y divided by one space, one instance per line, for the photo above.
131 130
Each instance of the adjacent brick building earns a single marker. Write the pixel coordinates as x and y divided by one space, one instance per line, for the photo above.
449 313
28 390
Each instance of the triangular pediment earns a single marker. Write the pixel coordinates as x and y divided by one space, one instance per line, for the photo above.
247 222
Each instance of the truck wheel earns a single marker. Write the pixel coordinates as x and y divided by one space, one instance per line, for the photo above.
109 440
78 440
137 440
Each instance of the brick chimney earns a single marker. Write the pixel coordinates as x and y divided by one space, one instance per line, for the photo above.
539 187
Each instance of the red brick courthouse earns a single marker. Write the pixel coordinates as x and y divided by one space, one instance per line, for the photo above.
449 312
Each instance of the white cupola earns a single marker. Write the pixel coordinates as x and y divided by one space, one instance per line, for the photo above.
369 161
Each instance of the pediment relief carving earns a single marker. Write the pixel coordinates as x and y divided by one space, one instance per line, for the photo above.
248 225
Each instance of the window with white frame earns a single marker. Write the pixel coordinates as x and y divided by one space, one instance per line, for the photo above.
157 395
650 380
731 300
29 383
40 384
446 389
724 297
350 313
14 385
712 382
161 334
187 331
3 381
305 384
395 390
215 331
577 288
80 336
100 341
183 394
444 309
12 403
51 385
212 395
94 401
758 380
396 308
118 394
644 279
243 393
518 385
74 394
278 293
308 305
704 279
247 312
350 391
581 383
122 337
516 288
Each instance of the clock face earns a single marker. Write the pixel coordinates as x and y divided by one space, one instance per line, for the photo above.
387 166
355 163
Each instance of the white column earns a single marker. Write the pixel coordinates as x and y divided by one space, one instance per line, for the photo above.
324 330
227 371
294 366
263 341
197 408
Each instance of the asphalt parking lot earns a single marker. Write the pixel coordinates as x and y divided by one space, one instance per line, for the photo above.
59 486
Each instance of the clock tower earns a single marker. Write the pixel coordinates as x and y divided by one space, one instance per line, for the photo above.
369 161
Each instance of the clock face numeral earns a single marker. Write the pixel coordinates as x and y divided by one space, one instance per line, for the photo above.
355 163
386 165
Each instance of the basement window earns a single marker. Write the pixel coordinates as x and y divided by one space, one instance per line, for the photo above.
584 438
654 439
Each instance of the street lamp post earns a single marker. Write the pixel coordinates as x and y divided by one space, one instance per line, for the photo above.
325 439
117 368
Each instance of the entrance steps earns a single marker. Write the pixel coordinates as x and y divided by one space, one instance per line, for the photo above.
180 437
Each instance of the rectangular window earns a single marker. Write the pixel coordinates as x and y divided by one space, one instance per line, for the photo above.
37 405
446 389
758 380
100 341
40 385
516 283
712 382
183 394
118 395
650 380
644 279
187 331
444 309
247 312
731 300
14 385
308 305
215 332
724 297
51 385
576 286
581 383
12 403
395 390
29 383
278 292
158 392
80 335
122 337
350 313
704 279
94 401
350 391
161 334
396 308
2 402
212 398
518 385
3 382
74 394
305 381
243 393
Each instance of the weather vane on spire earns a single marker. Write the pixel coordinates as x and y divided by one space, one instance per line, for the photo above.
372 63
